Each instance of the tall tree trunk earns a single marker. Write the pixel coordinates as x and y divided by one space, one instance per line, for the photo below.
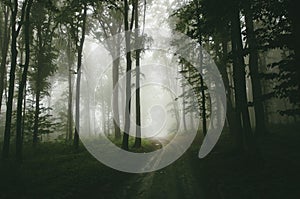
36 114
24 112
260 126
79 63
70 94
22 85
116 118
202 86
240 80
128 77
4 50
77 101
234 125
38 89
203 102
14 54
183 102
138 139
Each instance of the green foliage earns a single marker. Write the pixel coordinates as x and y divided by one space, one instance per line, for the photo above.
192 96
60 107
44 53
47 122
275 31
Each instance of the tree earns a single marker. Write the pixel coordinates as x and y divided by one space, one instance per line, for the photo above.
70 87
260 126
79 40
5 38
128 75
44 53
239 74
183 100
191 23
15 30
277 30
202 86
22 85
109 19
195 19
138 140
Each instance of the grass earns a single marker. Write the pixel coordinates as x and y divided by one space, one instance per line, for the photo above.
147 145
275 174
54 170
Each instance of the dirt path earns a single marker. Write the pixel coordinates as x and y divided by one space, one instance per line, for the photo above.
175 181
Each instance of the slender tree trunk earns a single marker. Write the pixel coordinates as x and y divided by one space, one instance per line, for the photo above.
116 118
4 51
36 114
138 139
234 125
79 63
2 27
70 97
128 77
193 108
123 98
203 103
22 85
38 89
260 126
183 102
24 112
202 86
14 54
77 101
240 81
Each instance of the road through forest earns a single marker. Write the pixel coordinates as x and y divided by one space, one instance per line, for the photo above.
176 181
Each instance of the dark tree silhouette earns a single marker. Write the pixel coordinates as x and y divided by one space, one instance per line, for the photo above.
15 30
22 85
128 76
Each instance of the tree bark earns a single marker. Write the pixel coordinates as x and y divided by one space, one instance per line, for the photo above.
4 51
116 118
14 54
24 111
183 102
202 86
138 139
260 126
22 85
240 81
70 97
38 89
36 116
128 78
234 125
79 63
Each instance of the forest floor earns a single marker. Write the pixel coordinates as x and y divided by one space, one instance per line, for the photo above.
53 170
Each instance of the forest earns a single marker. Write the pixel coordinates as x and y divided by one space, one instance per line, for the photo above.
149 99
